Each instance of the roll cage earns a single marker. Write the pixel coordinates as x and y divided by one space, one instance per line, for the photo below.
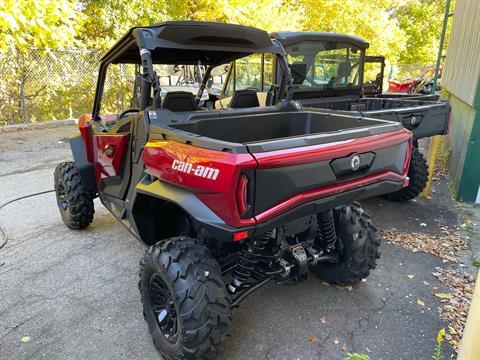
184 42
293 41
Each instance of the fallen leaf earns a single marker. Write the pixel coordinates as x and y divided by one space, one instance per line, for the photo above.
420 302
312 338
454 343
444 295
344 347
423 225
25 339
336 341
412 276
323 319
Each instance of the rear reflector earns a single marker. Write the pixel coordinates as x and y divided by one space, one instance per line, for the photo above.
240 235
241 195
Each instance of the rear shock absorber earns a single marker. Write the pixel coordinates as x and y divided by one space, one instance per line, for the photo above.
248 260
326 236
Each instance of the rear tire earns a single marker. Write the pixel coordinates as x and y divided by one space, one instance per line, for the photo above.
198 316
418 174
74 202
356 246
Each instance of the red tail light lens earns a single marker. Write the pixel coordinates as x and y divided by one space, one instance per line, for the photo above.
408 154
242 195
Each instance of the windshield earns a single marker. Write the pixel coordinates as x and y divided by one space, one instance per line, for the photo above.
323 65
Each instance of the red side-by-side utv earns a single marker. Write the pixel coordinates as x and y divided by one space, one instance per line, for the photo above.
228 199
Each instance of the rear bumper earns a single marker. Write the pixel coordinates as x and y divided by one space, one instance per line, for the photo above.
328 202
207 223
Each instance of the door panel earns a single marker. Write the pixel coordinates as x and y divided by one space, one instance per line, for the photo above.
112 158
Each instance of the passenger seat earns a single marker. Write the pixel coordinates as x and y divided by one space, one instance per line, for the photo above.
177 101
244 99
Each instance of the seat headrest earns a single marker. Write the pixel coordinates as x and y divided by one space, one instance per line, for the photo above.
177 101
344 69
299 72
244 99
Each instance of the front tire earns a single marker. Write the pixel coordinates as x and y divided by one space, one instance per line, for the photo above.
357 247
418 174
185 302
74 202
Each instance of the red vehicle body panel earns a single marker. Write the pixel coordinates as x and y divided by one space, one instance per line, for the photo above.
105 165
220 194
108 164
394 86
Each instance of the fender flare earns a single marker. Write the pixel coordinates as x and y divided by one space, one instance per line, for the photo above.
204 219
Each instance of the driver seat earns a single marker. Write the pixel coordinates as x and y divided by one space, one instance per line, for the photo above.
344 70
177 101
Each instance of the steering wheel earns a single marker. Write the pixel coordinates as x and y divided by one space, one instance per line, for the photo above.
128 111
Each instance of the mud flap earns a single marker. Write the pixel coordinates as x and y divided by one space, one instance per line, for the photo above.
84 168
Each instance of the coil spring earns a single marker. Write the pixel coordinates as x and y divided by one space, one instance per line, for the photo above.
326 236
248 260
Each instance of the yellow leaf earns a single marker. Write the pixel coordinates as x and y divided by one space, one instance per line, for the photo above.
444 295
336 341
440 335
420 302
25 339
412 276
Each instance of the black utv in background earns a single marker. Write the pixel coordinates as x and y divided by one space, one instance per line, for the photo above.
327 72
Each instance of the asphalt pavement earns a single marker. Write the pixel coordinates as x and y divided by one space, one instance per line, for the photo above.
74 293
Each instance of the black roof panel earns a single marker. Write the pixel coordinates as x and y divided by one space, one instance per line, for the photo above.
188 42
288 38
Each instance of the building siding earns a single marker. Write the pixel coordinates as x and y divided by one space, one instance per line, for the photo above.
458 138
462 65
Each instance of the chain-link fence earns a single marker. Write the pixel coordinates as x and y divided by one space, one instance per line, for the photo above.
60 84
46 85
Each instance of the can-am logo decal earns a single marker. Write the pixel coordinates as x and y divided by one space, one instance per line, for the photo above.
197 170
355 162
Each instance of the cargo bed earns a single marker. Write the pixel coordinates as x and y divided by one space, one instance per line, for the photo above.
270 131
423 118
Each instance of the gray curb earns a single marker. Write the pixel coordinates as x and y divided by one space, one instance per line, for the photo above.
39 125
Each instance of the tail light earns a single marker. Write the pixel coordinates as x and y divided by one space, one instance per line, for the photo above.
408 155
242 195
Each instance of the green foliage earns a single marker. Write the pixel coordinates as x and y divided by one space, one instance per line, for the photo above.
421 22
371 20
32 89
32 23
